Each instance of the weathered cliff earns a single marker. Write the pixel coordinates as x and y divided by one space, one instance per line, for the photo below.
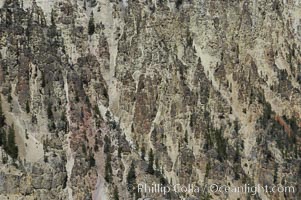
90 88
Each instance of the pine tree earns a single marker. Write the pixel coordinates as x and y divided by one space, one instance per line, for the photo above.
108 169
27 107
237 154
2 117
52 18
85 5
131 178
93 3
43 84
11 148
186 137
275 178
131 181
179 3
97 111
91 26
221 144
91 160
107 145
116 194
119 152
157 164
3 139
9 97
142 152
49 111
150 168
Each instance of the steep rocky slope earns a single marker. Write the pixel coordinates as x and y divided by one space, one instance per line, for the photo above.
98 96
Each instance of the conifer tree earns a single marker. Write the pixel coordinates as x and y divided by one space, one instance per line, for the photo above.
11 147
131 178
2 117
3 139
91 25
150 168
85 5
52 18
91 160
27 107
142 152
93 3
49 111
186 137
116 194
108 169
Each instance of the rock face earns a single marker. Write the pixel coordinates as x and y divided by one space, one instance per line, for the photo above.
99 96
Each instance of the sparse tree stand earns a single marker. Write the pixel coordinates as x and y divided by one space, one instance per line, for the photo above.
91 25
